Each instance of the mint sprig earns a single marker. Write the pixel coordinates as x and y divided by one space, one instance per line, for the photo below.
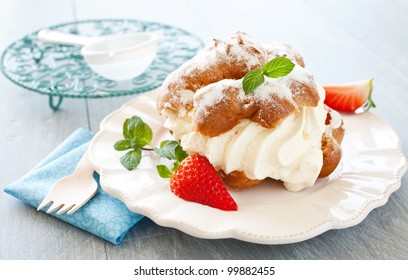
137 135
277 67
171 150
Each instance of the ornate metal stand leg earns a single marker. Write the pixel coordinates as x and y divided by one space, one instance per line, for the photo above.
52 103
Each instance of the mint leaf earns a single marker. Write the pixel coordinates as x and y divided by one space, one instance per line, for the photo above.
131 159
278 67
148 134
122 145
175 166
138 132
126 132
135 127
252 80
172 150
180 154
167 149
164 171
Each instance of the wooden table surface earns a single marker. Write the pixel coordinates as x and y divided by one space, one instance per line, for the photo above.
341 41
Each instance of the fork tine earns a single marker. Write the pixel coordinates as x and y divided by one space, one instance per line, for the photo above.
65 208
73 209
54 207
83 187
43 204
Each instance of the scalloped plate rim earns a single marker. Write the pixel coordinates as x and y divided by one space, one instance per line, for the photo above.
248 236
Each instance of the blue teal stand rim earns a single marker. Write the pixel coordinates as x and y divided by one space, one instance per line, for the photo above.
59 71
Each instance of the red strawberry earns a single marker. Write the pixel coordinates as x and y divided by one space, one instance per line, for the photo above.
350 97
196 180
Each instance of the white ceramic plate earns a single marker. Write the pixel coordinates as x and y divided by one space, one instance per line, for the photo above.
370 170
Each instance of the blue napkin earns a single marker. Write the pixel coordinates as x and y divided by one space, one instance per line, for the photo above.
103 215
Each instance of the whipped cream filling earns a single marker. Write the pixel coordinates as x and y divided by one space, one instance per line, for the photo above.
291 152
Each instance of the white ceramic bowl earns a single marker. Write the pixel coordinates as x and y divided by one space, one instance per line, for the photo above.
121 57
117 57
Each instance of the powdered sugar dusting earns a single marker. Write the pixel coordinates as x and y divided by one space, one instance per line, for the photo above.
335 119
217 51
277 87
199 62
210 98
211 95
280 87
278 49
300 74
241 54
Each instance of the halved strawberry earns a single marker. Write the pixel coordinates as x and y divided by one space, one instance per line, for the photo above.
196 180
350 97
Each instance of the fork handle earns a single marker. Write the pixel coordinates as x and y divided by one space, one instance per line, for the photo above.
84 163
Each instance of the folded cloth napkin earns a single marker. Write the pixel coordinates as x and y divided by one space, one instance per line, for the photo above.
103 215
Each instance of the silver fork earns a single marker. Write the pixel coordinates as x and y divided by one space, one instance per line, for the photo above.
71 192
